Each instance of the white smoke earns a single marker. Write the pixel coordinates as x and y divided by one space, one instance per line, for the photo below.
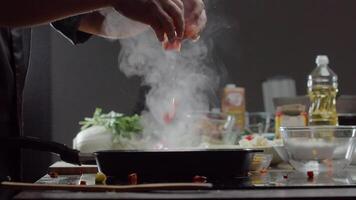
181 83
115 25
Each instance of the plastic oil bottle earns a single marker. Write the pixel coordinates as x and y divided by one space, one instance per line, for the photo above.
322 90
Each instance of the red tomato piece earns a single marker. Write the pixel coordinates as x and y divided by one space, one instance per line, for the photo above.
199 179
249 137
53 174
133 179
310 174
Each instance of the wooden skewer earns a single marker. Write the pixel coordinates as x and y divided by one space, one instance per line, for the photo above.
105 188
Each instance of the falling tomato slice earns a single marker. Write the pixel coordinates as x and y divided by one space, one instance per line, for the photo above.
169 116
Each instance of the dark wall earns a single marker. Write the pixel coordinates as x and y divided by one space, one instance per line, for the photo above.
278 37
263 39
85 77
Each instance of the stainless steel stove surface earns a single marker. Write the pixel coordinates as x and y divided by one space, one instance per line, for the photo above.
232 183
270 179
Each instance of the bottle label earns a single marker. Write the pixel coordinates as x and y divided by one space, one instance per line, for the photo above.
234 99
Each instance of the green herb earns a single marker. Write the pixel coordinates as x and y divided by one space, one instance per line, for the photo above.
117 123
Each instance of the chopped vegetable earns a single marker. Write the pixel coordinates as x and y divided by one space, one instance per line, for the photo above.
117 123
310 174
53 174
249 137
100 178
133 179
255 140
200 179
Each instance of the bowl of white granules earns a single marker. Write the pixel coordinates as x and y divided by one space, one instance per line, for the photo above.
319 148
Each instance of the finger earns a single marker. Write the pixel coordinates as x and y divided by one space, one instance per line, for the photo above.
157 28
202 20
175 46
167 24
195 38
179 3
193 30
177 14
197 10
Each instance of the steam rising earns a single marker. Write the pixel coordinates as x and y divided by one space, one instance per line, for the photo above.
181 83
114 21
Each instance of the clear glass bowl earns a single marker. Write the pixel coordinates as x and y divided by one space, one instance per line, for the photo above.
214 127
260 122
319 148
260 161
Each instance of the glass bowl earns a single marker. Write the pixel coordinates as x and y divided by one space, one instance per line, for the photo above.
214 127
319 148
260 161
260 122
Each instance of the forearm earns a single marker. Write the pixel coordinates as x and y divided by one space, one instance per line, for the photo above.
93 23
110 24
19 13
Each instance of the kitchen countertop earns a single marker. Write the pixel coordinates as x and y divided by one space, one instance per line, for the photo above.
326 193
276 184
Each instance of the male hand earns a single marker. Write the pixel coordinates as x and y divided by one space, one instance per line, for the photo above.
166 17
195 20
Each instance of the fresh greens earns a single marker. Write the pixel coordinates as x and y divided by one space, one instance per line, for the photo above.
117 123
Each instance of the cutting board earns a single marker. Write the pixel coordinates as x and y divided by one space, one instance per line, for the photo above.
106 188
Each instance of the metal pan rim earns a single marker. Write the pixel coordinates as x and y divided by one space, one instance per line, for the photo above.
169 151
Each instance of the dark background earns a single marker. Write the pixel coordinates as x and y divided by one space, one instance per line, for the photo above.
264 39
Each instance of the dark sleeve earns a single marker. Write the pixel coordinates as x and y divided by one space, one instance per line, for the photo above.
69 28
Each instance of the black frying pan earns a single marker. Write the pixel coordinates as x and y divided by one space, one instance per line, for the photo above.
151 164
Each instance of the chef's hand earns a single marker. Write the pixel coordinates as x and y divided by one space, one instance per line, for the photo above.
166 17
195 18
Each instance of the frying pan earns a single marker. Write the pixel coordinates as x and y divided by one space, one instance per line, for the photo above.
155 165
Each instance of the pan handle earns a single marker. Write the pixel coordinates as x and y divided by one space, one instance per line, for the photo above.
24 142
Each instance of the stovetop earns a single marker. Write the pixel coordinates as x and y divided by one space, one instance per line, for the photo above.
232 183
270 179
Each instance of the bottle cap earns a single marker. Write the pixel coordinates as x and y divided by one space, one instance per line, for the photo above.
322 60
